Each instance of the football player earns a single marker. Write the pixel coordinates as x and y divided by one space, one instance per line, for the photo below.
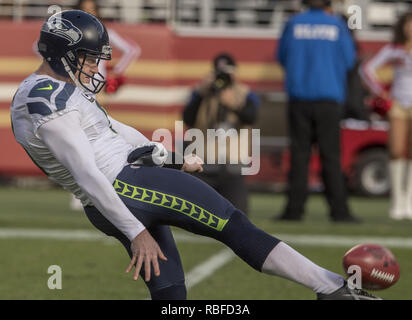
57 120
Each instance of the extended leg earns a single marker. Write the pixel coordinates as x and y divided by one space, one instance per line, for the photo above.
272 256
193 205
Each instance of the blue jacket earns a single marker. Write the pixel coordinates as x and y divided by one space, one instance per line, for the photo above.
316 50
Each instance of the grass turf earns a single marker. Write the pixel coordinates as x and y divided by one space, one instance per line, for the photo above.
95 269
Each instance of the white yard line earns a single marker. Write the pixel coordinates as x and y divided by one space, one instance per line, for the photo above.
55 234
326 240
344 241
208 267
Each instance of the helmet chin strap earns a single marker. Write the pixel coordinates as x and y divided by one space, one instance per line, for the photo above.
70 73
78 83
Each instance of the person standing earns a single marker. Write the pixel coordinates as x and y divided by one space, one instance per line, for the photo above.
316 51
221 101
399 96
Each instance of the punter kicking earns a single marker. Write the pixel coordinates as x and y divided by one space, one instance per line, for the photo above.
58 121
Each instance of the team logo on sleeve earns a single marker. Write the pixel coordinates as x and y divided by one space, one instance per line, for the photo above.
64 29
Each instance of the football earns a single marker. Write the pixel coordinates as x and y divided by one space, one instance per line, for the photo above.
379 267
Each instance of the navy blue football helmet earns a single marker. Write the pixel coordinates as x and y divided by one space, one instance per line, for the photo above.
70 37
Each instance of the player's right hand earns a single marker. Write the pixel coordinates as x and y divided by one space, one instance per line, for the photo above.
193 163
145 251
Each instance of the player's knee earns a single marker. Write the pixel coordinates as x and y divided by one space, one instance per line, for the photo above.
174 292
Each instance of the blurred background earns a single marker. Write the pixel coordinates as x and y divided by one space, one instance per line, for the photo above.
178 40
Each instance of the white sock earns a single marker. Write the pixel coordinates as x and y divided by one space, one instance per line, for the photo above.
397 169
408 193
287 263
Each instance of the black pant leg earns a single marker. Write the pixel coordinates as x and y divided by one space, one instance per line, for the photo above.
300 132
171 271
327 117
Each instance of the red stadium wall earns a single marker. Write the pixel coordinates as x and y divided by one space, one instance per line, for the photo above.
156 82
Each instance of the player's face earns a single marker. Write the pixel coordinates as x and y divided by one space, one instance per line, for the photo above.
90 67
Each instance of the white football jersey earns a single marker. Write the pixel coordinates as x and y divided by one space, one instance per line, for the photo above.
41 98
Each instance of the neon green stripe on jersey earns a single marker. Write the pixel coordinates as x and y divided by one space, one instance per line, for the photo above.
172 202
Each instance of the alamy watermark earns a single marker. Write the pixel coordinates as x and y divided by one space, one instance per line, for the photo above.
215 146
355 17
355 280
55 280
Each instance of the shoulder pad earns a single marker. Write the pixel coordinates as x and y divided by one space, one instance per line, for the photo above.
64 95
44 89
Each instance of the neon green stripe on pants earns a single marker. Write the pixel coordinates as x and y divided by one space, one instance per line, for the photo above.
171 202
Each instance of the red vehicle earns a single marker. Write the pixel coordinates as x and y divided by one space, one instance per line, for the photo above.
365 156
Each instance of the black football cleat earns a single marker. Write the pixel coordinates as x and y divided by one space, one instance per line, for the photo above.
345 293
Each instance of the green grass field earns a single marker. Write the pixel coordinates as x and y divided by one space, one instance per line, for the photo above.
94 268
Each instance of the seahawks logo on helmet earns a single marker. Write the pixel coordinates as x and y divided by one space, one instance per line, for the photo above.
63 28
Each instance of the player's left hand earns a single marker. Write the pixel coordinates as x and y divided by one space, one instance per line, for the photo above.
192 163
146 253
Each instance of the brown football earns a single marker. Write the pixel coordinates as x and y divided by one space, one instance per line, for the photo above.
380 269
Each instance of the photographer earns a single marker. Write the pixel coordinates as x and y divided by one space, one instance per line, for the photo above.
220 101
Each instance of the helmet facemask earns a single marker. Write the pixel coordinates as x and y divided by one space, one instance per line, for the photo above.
75 62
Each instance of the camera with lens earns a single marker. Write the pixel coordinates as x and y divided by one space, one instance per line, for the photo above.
222 81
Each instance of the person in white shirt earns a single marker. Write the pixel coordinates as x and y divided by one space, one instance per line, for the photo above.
128 187
398 53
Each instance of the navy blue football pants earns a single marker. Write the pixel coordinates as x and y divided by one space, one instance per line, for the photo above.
160 197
